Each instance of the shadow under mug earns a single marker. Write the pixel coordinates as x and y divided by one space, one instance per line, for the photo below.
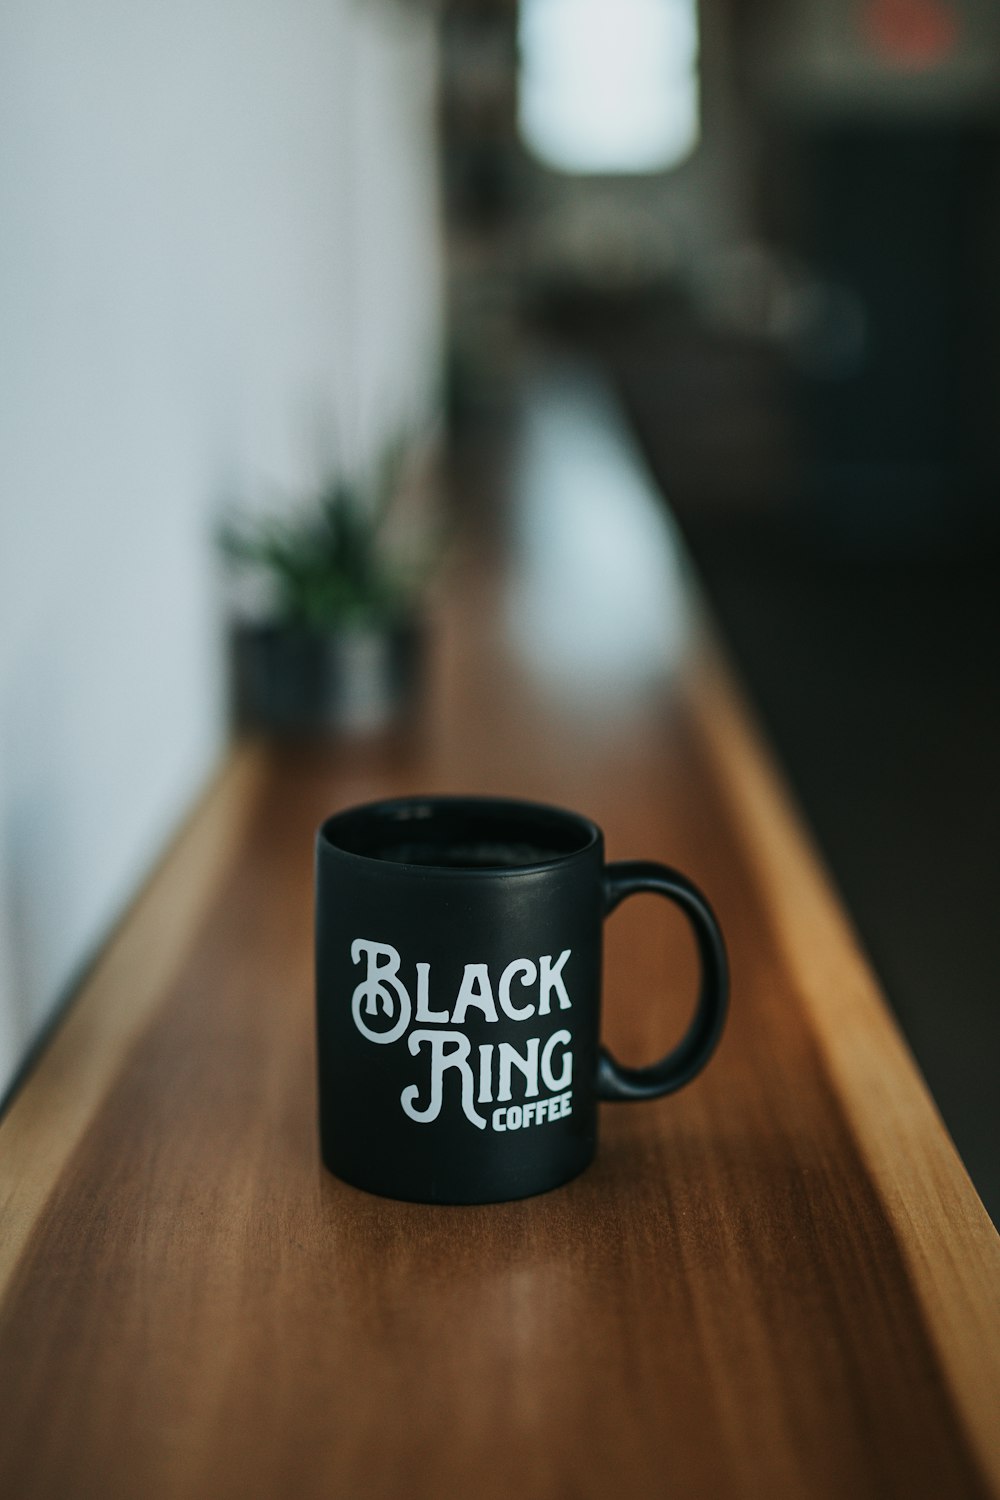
458 989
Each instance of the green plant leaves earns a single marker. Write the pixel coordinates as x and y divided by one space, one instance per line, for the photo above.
331 566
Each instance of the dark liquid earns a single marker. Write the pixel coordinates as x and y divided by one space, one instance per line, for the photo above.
478 855
459 834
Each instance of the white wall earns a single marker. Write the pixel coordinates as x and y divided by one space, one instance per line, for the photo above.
219 247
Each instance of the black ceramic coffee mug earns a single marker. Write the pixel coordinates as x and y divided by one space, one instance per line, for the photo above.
458 972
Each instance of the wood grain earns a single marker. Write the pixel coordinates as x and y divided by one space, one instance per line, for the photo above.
778 1282
908 1154
48 1118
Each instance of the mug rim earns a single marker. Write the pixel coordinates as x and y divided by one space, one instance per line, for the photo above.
418 808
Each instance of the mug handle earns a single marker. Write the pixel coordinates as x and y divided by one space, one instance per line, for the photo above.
627 878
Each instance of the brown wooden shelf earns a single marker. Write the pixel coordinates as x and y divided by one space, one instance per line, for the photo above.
779 1282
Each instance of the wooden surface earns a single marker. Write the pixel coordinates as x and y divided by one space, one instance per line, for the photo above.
778 1282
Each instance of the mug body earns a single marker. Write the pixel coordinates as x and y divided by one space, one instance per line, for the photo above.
458 968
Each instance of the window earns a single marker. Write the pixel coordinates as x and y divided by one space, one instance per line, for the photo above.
609 85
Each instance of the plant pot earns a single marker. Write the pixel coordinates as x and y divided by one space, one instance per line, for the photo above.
356 680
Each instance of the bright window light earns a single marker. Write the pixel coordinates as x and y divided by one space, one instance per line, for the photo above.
609 85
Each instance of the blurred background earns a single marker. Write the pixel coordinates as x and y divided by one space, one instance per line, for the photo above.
243 242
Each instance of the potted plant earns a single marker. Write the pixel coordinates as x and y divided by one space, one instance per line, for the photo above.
340 646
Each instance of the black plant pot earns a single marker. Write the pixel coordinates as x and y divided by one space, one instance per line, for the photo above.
356 680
